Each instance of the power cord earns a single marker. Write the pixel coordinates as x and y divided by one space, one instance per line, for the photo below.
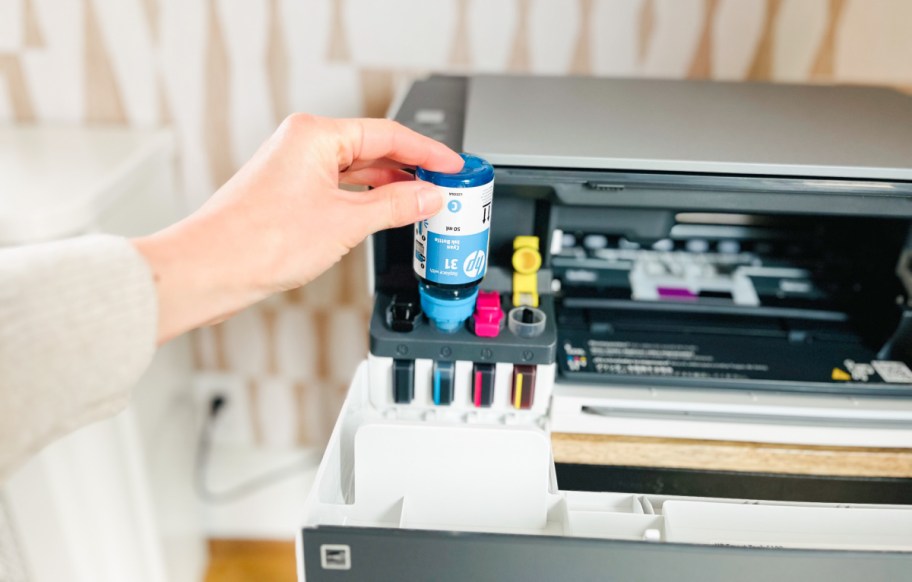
204 454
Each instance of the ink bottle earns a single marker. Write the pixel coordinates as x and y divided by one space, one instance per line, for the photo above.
451 247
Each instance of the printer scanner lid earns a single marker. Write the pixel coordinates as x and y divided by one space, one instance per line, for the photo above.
842 132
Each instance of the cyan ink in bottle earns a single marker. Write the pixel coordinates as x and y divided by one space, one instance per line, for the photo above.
451 247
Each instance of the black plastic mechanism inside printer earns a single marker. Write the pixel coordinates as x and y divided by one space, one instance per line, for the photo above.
776 298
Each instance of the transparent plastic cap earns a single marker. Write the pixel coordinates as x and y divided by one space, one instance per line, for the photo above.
526 321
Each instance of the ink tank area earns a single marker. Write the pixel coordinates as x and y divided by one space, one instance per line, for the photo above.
661 328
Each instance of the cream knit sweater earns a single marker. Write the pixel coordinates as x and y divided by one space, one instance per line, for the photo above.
78 324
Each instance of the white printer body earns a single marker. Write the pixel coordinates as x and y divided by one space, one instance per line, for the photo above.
719 261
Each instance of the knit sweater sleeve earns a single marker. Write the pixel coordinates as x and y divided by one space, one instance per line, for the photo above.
78 324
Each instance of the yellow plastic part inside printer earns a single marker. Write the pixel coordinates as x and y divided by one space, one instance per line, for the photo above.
526 263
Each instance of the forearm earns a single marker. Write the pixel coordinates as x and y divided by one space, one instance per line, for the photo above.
77 329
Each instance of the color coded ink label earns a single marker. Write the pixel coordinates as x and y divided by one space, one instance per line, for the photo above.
452 247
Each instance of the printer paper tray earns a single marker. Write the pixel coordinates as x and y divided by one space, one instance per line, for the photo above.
411 499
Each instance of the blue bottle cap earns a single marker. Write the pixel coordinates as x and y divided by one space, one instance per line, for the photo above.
476 172
447 314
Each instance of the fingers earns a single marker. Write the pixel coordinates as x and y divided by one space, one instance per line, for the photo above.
373 139
380 163
376 177
400 203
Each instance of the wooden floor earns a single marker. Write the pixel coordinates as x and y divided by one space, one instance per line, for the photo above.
251 561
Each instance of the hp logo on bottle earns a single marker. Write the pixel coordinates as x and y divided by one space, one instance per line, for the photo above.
474 264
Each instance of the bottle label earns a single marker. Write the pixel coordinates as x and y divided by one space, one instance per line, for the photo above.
451 247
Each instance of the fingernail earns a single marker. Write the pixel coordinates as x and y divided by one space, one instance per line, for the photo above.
430 200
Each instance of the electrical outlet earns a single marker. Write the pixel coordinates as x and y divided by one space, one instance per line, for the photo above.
234 423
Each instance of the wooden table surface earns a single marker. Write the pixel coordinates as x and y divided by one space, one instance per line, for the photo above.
628 451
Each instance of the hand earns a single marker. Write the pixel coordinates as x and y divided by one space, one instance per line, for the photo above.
282 220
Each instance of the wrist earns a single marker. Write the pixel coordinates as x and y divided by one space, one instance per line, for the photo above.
198 279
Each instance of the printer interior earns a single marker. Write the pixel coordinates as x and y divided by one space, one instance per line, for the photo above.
734 299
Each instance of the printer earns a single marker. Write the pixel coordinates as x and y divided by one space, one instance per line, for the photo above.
724 261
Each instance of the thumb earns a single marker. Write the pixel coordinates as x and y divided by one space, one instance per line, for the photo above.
401 203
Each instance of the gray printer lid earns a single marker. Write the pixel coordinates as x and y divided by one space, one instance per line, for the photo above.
690 126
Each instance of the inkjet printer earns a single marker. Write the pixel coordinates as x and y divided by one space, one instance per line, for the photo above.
682 259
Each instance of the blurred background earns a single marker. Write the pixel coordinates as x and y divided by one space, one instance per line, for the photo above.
219 75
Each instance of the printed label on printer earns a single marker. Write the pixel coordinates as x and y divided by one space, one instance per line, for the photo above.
451 247
652 359
889 371
715 358
893 372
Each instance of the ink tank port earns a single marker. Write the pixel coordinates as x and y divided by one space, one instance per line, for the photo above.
526 321
403 313
446 308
